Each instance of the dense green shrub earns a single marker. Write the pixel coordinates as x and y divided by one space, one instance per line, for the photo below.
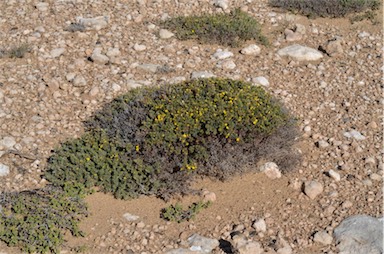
37 220
153 140
225 29
178 214
326 8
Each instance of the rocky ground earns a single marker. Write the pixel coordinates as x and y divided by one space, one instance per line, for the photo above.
67 75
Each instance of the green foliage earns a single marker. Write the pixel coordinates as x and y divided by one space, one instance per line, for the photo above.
15 52
225 29
326 8
36 220
178 214
153 140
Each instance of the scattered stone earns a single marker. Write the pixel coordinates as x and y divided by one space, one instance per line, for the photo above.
252 50
209 196
312 189
222 54
354 134
130 217
322 144
260 81
165 34
260 225
42 6
94 91
347 204
323 237
300 53
223 4
363 34
57 52
360 234
291 35
7 143
271 170
202 74
204 244
4 170
96 23
376 177
240 245
113 52
228 65
370 161
286 248
334 175
98 57
149 67
139 47
79 81
334 47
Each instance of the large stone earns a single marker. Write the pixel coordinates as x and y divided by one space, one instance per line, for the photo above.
96 23
271 170
252 50
360 234
300 53
354 134
7 143
165 34
201 243
312 189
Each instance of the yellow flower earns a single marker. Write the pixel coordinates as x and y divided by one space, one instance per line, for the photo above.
137 148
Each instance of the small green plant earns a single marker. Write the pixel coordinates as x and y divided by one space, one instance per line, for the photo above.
225 29
36 220
326 8
154 140
178 214
368 15
18 52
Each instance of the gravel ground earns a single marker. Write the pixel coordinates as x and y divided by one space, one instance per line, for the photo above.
66 76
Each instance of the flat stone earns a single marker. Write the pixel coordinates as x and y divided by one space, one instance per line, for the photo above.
4 170
300 53
360 234
252 50
222 54
202 74
130 217
334 175
99 58
149 67
260 81
354 134
7 142
260 225
202 243
79 81
165 34
312 189
139 47
96 23
41 6
57 52
323 237
223 4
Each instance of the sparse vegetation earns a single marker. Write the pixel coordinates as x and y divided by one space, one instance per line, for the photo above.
326 8
15 52
178 214
225 29
36 220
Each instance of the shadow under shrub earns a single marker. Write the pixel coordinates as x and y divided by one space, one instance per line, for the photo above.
154 140
225 29
36 220
326 8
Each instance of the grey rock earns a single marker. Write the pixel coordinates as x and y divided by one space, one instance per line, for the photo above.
4 170
241 245
130 217
149 67
165 34
228 65
98 57
94 91
292 35
7 143
113 52
260 81
360 234
79 81
96 23
252 50
322 144
57 52
260 225
323 237
42 6
222 54
202 74
271 170
334 47
336 176
300 53
312 189
223 4
201 243
354 134
139 47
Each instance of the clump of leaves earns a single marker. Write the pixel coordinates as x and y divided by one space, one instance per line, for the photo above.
154 140
178 214
225 29
326 8
36 220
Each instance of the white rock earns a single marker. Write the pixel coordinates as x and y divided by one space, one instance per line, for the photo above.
300 53
203 243
130 217
113 52
42 6
99 58
250 248
223 4
96 23
354 134
260 225
116 87
228 65
323 237
363 34
334 175
79 81
312 189
7 142
165 34
260 81
271 170
4 170
322 144
209 196
57 52
94 91
252 49
202 74
139 47
222 54
149 67
70 76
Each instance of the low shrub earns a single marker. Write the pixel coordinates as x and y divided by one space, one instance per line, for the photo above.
15 52
154 140
36 220
225 29
326 8
178 214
